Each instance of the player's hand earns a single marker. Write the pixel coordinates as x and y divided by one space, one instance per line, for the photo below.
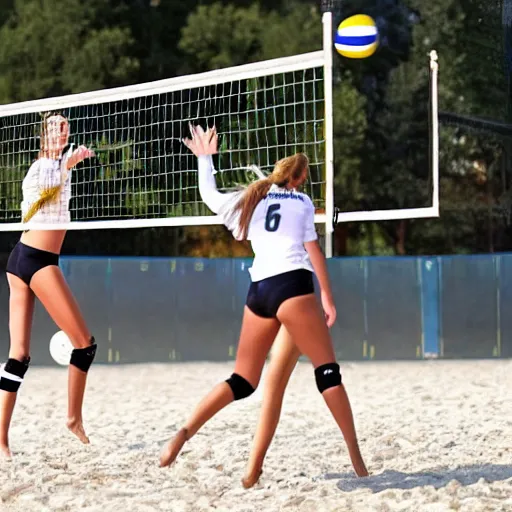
202 142
79 155
329 309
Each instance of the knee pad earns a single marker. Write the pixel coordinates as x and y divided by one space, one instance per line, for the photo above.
240 387
82 358
327 376
12 374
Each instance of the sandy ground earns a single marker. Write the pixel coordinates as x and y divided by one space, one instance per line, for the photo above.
437 436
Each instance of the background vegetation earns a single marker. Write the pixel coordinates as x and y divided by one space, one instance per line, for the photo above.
54 47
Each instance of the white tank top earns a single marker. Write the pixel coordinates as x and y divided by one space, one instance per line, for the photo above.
46 173
280 225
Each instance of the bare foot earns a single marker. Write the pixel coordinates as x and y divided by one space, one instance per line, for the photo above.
5 453
173 448
251 479
77 428
360 469
357 459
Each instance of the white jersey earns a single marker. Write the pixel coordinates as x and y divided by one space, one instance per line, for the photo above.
43 174
280 225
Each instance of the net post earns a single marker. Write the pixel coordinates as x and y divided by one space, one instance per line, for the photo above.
435 129
329 133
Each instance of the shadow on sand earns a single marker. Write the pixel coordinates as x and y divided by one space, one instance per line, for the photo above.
439 477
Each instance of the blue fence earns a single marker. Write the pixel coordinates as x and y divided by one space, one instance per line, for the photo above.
185 309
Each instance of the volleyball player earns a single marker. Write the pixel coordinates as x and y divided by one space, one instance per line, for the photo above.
284 357
33 271
279 222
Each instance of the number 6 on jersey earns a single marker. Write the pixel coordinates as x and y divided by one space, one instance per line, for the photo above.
273 218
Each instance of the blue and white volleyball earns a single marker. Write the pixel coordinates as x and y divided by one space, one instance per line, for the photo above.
357 37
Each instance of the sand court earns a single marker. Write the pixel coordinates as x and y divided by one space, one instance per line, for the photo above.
436 435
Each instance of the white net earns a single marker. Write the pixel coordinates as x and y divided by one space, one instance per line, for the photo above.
142 174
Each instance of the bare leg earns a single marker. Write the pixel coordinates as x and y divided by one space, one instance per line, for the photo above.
256 338
284 357
52 290
21 311
305 322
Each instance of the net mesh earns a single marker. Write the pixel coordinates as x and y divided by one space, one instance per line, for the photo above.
476 132
142 170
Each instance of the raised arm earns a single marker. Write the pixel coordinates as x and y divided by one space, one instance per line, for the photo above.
214 199
204 145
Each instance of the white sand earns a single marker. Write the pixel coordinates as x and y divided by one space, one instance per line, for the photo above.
437 436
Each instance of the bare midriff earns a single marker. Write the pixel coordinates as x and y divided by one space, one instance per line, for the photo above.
50 241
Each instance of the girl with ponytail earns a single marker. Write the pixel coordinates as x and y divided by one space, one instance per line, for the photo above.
279 222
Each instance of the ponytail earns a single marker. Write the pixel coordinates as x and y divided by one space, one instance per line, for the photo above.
286 171
248 202
47 196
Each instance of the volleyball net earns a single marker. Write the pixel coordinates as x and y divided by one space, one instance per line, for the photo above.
143 175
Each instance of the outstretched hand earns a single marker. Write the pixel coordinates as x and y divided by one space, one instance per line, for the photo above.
202 143
79 155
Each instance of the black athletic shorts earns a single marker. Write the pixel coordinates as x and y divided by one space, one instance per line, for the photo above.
24 261
265 296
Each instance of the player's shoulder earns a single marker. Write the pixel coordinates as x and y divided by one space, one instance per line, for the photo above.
34 166
279 193
305 199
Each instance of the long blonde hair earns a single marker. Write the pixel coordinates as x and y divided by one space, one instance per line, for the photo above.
286 171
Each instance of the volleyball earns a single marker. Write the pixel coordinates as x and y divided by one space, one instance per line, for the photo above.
357 37
61 348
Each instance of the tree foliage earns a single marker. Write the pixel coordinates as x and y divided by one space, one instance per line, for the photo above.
381 104
50 48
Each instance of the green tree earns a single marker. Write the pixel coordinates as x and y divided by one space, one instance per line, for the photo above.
236 45
467 36
350 127
395 157
5 10
297 30
398 169
156 30
219 36
232 35
51 48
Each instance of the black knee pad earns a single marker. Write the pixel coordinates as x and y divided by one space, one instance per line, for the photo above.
327 376
240 387
12 374
82 358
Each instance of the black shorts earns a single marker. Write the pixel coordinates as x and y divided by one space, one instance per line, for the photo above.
265 296
24 261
